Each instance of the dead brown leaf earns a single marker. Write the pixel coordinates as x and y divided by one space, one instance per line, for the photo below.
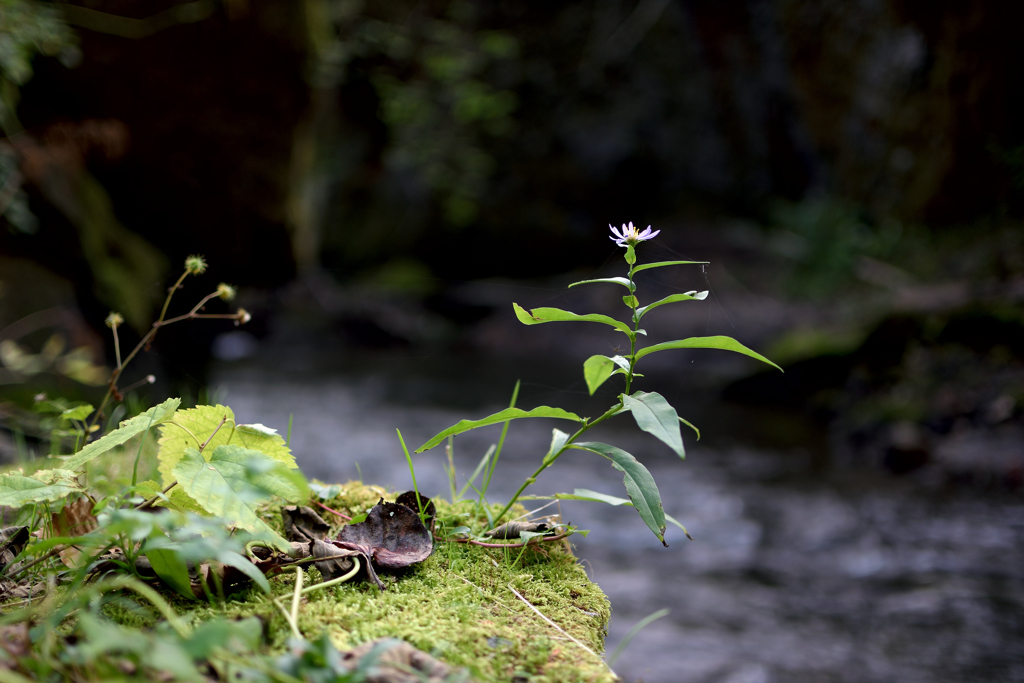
391 536
399 662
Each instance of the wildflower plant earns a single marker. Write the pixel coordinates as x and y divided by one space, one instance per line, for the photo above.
652 412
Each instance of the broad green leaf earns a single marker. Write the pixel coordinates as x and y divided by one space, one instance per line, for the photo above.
718 342
688 424
630 254
201 421
558 439
77 413
125 431
17 490
615 280
502 416
640 486
231 482
662 264
168 563
631 301
177 499
654 415
596 370
548 315
689 296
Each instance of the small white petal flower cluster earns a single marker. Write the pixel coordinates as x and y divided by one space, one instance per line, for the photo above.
631 235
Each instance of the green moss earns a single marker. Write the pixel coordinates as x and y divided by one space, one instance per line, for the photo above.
457 605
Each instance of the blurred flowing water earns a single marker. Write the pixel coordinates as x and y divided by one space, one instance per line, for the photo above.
799 571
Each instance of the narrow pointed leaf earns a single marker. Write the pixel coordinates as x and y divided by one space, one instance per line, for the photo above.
501 416
639 483
690 296
125 431
654 415
558 439
615 280
662 264
718 342
548 315
596 370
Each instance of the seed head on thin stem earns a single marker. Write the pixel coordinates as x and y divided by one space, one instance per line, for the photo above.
195 265
225 291
114 320
242 317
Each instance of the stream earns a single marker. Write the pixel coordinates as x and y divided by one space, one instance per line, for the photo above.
799 571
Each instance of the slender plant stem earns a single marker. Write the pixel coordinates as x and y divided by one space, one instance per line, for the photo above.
336 581
331 510
117 347
549 461
501 443
412 471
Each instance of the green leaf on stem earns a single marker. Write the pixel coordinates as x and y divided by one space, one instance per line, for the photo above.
548 315
630 254
201 422
615 280
662 264
718 342
631 301
596 370
77 413
167 562
558 439
639 483
656 416
501 416
689 296
597 497
233 481
125 431
17 490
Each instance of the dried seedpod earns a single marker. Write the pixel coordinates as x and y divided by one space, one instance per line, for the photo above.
511 530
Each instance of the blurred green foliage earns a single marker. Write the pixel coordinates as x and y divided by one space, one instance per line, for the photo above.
28 28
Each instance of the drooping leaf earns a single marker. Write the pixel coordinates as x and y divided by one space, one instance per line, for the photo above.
511 530
127 429
302 523
640 486
201 421
689 296
662 264
596 370
614 280
548 315
717 342
501 416
17 490
657 417
165 557
230 483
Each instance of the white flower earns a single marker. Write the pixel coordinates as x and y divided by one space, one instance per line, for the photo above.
631 235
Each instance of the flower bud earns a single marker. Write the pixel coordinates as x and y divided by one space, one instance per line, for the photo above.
114 320
242 317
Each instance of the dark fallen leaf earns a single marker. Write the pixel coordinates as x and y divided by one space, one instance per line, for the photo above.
392 536
394 661
12 590
332 561
74 519
303 524
408 499
13 540
514 529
